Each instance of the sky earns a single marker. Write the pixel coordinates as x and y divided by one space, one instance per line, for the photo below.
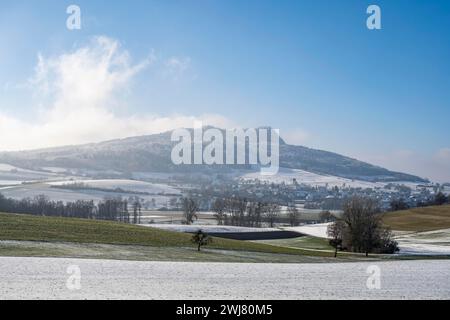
309 68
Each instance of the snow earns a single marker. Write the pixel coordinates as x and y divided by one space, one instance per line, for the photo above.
12 173
425 243
286 175
318 230
417 243
46 278
7 167
9 182
208 228
55 169
128 185
65 195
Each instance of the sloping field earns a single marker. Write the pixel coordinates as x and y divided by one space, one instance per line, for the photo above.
159 192
425 243
50 229
314 179
318 230
305 242
419 219
129 185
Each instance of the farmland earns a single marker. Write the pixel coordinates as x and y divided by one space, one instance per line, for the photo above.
187 280
419 219
61 236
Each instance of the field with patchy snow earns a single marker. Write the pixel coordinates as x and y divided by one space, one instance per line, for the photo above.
10 175
128 185
46 278
417 243
286 175
425 243
160 192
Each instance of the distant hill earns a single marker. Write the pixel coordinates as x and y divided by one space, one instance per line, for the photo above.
151 153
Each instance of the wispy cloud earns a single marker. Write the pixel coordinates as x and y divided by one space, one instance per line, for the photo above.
296 136
176 68
79 91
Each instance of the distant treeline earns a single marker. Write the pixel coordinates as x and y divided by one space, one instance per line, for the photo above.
114 209
83 186
438 200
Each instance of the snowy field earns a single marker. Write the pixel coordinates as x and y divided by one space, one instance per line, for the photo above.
416 243
160 192
15 174
318 230
425 243
207 228
286 175
128 185
9 183
47 278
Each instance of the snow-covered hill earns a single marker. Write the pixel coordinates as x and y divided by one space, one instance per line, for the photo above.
152 154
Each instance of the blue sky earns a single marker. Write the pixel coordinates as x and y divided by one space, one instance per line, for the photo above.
310 68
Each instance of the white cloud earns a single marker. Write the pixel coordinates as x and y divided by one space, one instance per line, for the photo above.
295 136
83 87
87 78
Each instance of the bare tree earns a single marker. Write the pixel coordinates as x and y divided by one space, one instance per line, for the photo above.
190 208
336 232
271 213
237 208
362 229
137 206
241 206
293 215
259 211
326 216
219 208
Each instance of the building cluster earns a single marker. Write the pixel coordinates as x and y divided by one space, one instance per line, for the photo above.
323 197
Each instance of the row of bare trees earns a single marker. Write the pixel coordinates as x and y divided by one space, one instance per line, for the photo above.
244 213
115 209
240 212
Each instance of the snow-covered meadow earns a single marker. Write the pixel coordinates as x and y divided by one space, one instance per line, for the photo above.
50 278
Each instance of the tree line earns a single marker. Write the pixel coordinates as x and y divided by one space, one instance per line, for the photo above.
235 211
114 209
438 200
